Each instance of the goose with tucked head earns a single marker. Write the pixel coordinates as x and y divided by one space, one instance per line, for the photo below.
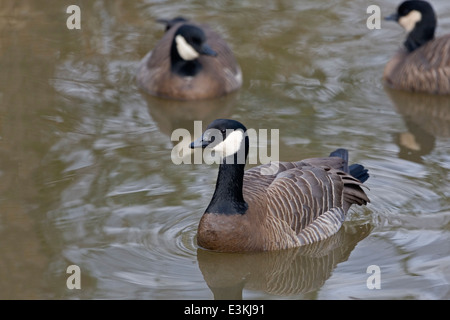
423 64
190 62
278 205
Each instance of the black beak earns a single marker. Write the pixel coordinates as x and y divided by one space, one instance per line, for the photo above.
199 143
392 17
206 50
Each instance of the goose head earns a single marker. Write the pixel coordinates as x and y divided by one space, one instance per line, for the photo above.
417 17
227 138
189 42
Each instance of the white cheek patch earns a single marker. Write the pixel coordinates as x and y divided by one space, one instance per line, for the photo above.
409 22
231 144
185 50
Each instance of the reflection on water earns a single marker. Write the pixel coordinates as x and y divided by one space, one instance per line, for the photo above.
86 176
426 117
284 272
170 115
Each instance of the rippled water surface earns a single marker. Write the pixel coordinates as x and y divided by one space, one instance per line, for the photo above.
86 176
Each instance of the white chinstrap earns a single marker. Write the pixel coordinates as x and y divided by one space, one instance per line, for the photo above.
185 50
409 21
233 144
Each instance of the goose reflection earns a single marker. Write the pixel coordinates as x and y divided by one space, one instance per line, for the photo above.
284 272
426 117
173 114
170 115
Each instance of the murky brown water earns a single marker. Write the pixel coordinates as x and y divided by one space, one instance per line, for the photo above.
86 176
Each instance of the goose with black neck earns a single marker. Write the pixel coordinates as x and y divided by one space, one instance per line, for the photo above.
423 64
264 209
190 62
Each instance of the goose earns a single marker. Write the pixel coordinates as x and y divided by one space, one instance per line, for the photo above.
190 62
278 205
423 64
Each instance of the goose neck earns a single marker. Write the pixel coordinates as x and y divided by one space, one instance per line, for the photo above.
421 34
184 68
228 197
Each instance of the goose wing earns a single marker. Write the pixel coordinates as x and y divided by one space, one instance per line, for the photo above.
258 179
224 63
312 200
154 68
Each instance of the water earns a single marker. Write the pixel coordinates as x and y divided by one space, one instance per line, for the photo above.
86 176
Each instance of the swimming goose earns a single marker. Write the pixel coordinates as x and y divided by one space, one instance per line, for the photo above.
423 64
278 205
190 62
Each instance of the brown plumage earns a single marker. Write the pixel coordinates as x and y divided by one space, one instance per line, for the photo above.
212 74
424 63
279 205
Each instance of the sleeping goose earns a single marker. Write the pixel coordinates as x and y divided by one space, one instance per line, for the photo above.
423 64
190 62
278 205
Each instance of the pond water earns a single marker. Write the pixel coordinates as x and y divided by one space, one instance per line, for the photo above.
86 176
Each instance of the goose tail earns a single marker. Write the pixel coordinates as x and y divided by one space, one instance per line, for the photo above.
356 170
359 172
